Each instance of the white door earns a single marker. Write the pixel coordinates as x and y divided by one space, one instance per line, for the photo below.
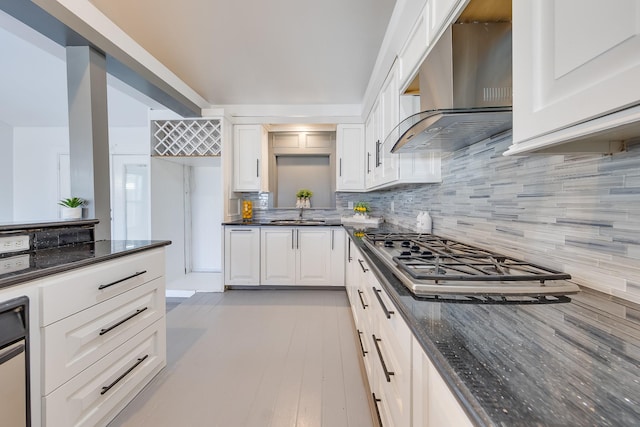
278 263
130 197
313 255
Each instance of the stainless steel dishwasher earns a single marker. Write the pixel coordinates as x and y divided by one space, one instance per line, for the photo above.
14 365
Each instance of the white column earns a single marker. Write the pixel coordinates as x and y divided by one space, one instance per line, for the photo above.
89 134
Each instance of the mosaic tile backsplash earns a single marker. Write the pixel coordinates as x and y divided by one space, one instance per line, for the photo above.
576 213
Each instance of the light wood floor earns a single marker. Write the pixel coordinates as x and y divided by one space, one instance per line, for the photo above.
257 358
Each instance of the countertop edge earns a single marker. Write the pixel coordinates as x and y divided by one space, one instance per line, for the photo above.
27 277
465 397
46 224
269 224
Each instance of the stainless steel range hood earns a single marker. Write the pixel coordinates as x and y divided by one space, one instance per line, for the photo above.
465 91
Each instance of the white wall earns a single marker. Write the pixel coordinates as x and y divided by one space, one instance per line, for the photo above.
167 213
206 217
6 173
35 171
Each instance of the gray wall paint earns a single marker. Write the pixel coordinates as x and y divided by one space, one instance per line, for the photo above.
580 214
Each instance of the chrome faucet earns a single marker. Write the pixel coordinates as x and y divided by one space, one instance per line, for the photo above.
301 211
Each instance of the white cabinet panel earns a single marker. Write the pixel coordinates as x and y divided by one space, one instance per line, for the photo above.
242 256
573 61
350 147
249 166
76 342
338 247
97 394
97 283
313 255
278 260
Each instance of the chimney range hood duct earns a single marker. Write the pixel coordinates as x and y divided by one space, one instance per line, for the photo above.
465 91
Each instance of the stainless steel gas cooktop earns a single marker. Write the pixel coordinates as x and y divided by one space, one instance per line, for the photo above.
431 265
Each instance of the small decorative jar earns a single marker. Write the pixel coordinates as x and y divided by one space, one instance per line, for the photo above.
247 210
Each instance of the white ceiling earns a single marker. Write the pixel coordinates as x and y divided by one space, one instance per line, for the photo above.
256 52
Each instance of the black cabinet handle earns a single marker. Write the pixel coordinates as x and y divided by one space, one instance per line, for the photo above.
364 352
127 372
112 327
378 145
376 401
121 280
293 238
340 174
387 373
257 168
364 269
387 312
332 238
364 306
349 259
368 163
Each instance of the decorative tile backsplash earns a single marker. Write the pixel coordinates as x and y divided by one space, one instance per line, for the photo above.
576 213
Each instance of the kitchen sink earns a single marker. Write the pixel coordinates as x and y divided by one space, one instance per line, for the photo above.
298 221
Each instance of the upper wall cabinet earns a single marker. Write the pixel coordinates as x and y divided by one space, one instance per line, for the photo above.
576 65
350 173
249 167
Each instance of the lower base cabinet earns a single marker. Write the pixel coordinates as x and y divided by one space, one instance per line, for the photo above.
406 389
103 346
433 403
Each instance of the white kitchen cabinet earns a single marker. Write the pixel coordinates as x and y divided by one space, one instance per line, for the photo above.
390 117
100 348
384 340
350 148
575 67
433 403
414 49
249 162
242 255
338 248
302 256
372 144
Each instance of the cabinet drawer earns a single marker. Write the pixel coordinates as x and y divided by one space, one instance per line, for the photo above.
92 285
387 314
76 342
97 394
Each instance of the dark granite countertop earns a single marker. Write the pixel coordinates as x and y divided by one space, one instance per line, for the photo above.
268 222
568 364
33 225
45 262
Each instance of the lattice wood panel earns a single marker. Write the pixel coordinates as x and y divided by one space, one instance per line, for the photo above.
189 137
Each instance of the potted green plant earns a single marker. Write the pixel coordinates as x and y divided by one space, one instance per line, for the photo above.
303 197
72 207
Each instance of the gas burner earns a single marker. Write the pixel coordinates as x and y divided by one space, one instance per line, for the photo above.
432 265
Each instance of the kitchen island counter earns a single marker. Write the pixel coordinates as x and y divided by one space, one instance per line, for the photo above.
42 263
563 364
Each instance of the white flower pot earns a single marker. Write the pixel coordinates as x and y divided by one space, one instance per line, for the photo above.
71 213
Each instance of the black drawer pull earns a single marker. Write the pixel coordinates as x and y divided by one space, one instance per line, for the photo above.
364 352
376 401
127 372
387 312
387 374
364 306
112 327
364 269
121 280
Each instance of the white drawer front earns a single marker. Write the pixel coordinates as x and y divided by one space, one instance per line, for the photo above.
83 401
76 342
92 285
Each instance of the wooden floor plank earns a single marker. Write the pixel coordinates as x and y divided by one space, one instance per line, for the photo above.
256 358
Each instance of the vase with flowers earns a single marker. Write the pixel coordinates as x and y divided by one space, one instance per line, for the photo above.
361 209
303 197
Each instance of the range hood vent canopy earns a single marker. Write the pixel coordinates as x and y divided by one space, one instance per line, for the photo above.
465 91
